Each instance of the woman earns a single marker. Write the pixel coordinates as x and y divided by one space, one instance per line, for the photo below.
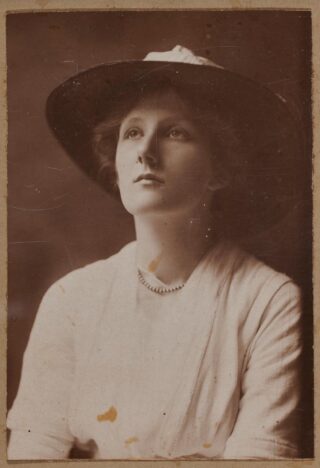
181 345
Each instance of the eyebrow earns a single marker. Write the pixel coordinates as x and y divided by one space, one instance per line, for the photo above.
177 119
132 120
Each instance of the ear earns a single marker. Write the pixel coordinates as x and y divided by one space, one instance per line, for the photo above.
219 177
217 183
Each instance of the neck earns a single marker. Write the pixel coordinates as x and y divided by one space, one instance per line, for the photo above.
171 247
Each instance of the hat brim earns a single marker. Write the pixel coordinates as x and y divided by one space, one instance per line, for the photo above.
272 146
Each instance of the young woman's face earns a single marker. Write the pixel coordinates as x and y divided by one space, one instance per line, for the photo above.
163 158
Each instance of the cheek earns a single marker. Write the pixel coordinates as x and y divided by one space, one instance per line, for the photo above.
121 163
194 167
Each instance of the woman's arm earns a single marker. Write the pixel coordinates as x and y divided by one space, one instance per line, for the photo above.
39 417
268 422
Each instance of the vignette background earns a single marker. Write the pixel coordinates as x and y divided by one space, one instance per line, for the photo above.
57 219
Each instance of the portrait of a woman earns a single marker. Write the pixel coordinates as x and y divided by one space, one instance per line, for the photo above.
181 345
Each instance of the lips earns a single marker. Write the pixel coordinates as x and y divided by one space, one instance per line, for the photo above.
149 176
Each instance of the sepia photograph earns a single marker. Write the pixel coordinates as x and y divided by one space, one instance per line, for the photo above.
160 288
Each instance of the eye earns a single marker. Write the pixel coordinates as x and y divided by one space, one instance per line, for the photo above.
178 133
133 133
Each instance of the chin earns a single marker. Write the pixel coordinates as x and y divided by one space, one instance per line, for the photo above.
154 204
140 209
157 209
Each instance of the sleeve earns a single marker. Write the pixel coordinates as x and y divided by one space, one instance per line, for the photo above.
39 417
267 424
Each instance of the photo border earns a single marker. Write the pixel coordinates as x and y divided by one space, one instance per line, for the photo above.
25 6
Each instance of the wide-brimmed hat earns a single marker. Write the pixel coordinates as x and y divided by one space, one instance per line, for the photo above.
273 164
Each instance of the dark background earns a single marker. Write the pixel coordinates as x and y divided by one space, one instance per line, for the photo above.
58 220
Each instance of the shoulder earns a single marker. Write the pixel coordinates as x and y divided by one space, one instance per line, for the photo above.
256 292
88 284
248 273
97 273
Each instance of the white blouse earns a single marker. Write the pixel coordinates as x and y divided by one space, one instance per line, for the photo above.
210 371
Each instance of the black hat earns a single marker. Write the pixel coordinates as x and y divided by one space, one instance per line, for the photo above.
272 150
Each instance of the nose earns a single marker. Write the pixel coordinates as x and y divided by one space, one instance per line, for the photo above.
148 151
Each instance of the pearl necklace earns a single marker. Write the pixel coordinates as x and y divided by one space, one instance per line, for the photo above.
157 289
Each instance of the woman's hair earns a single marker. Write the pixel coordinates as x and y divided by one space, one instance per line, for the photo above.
217 127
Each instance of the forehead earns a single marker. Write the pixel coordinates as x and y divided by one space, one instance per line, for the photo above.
162 102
